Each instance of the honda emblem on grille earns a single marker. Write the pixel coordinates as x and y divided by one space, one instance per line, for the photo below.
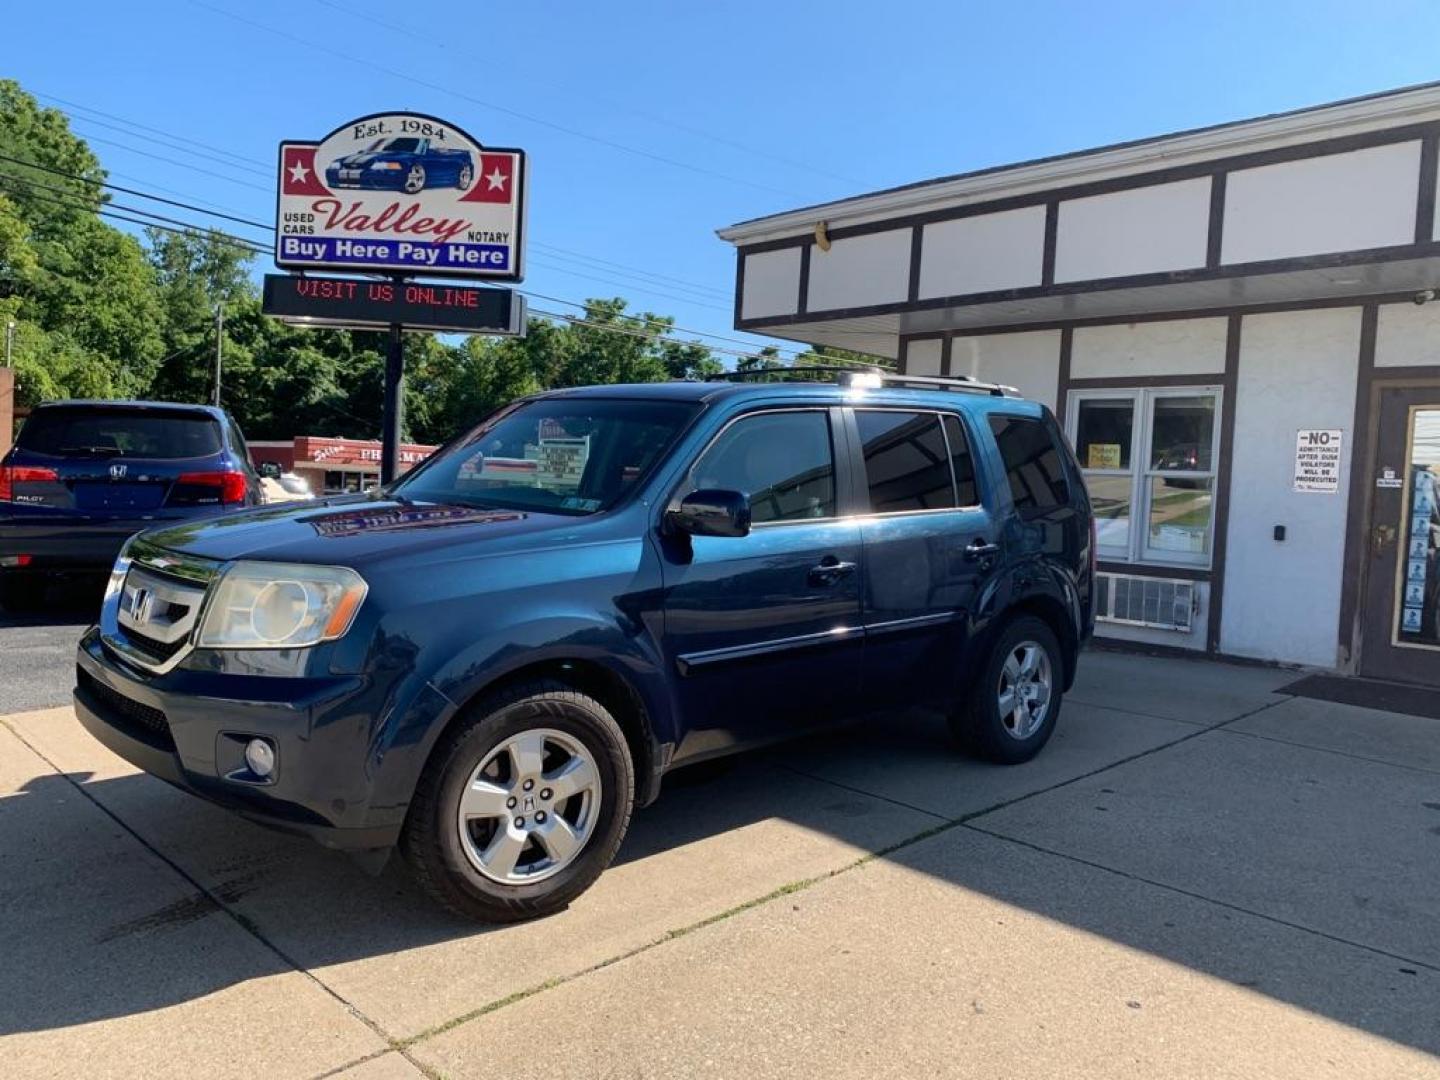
117 472
142 606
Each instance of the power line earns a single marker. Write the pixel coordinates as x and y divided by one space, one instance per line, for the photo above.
135 192
437 87
109 210
146 128
721 293
642 287
256 247
180 164
642 114
229 160
249 161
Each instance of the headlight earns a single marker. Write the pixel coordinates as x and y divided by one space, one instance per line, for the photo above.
260 605
386 165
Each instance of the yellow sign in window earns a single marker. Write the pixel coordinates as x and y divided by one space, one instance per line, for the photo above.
1104 455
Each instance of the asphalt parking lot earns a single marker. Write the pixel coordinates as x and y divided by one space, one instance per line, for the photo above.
1199 877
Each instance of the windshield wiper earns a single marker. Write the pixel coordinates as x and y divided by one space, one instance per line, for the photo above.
106 451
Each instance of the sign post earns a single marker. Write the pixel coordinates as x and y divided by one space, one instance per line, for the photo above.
404 195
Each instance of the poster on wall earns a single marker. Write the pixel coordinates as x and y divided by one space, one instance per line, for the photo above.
1420 590
401 193
1317 460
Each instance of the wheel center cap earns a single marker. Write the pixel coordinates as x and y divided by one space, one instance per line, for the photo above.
527 803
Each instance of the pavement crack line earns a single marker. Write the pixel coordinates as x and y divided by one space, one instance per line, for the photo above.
1179 891
1338 753
246 924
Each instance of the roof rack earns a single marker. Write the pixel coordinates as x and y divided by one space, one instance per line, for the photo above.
870 378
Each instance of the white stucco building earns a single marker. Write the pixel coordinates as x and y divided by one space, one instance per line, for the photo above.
1208 313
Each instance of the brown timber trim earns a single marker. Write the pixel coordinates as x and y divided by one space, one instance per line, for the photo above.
739 287
1321 148
1425 199
1216 231
1062 379
1357 516
917 245
1155 570
1333 260
1224 471
1147 382
945 353
803 288
1052 232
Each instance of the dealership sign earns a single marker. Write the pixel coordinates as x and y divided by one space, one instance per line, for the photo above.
401 193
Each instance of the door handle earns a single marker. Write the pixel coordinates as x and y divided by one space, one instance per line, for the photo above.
829 571
1383 536
981 549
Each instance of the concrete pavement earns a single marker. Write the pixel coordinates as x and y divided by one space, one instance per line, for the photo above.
1198 877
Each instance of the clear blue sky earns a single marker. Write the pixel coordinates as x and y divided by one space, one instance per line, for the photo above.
755 107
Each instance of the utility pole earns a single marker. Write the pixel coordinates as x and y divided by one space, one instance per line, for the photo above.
219 347
9 341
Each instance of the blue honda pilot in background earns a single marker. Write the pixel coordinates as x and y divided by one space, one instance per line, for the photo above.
491 662
84 476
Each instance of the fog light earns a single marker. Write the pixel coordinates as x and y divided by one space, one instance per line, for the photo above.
260 757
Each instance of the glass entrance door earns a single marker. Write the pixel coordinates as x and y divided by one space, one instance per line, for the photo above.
1401 634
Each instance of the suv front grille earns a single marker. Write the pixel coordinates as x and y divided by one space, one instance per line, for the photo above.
130 716
158 650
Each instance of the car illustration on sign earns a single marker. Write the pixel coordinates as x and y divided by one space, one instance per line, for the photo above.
403 163
401 193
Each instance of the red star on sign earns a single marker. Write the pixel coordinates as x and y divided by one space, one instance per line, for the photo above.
297 172
495 182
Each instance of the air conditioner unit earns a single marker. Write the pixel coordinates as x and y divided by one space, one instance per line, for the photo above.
1159 603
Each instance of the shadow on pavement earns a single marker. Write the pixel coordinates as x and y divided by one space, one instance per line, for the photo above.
97 927
71 601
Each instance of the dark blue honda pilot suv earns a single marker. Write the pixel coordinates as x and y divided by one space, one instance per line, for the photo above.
492 661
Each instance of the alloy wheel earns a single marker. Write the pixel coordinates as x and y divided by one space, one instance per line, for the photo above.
530 807
1025 690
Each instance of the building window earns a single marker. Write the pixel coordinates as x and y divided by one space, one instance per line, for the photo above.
1149 462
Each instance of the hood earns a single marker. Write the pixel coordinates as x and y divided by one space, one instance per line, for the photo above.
352 531
351 161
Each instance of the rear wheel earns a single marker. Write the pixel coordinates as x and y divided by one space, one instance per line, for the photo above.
523 806
1015 702
466 175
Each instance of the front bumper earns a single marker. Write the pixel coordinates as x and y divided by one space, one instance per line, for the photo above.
189 728
369 180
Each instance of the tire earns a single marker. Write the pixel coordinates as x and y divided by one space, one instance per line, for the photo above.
415 180
982 726
23 593
465 178
499 734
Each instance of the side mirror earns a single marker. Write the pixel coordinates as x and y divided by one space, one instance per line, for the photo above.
270 470
711 512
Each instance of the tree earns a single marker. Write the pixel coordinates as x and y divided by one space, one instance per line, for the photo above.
87 281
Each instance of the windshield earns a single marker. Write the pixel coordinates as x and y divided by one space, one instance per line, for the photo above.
80 432
574 456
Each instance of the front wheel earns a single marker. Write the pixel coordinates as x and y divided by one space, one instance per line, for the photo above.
1015 701
523 806
415 180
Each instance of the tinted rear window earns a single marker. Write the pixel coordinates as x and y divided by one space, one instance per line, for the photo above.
907 463
1032 463
120 433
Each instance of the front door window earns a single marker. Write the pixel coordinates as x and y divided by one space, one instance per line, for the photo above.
1400 622
1418 621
